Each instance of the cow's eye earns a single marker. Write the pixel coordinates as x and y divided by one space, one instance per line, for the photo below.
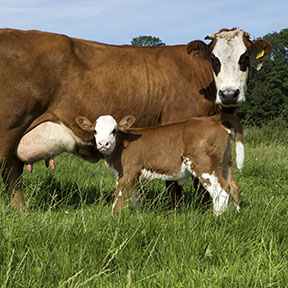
216 65
114 131
244 61
95 132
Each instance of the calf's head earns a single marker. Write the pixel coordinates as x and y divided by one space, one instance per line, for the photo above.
230 53
105 130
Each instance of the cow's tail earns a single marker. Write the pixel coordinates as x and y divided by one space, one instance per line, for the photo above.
235 123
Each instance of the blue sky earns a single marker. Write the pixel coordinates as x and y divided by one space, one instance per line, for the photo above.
118 21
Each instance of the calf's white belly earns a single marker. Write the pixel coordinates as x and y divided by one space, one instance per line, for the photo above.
181 177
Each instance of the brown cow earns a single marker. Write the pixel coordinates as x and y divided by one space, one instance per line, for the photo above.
52 78
199 147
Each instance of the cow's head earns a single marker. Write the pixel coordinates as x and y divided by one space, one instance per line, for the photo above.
230 53
105 130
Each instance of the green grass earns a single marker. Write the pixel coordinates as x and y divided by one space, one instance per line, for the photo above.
68 238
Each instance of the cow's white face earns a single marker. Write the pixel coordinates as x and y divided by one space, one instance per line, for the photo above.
105 134
230 62
230 53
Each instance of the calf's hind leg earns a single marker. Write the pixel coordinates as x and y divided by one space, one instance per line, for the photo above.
234 191
218 188
227 172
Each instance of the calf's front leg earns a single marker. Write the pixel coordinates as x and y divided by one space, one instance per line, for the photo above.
124 192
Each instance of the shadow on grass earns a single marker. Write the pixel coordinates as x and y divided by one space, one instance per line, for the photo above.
155 197
53 194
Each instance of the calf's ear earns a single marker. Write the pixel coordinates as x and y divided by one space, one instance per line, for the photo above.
84 123
126 122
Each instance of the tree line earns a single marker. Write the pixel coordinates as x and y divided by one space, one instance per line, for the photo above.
267 93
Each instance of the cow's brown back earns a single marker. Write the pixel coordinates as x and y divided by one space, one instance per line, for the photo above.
67 76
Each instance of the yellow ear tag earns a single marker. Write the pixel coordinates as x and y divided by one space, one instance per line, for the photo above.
260 54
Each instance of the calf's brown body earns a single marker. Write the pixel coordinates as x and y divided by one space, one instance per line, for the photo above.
200 147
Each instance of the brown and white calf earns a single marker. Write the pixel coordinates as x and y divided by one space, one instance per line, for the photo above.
200 147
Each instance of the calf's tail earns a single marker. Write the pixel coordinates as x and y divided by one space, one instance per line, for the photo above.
235 123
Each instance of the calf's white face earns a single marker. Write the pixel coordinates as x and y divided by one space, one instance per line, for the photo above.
105 134
105 130
230 61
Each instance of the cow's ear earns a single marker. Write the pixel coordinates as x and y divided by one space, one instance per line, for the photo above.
126 122
84 123
200 47
259 50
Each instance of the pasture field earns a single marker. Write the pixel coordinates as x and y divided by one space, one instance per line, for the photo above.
68 238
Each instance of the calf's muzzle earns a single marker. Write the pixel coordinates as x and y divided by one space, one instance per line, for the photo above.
103 145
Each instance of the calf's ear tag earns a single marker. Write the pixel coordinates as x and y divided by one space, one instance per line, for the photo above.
260 55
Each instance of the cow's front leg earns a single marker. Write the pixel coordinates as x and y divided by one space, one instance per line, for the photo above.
175 191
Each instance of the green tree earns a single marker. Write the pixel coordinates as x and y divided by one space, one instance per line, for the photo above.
267 94
147 41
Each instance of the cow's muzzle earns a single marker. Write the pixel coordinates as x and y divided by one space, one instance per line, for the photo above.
229 97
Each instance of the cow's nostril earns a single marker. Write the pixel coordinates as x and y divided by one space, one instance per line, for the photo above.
229 96
236 93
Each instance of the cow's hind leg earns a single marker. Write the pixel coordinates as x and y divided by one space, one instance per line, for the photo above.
11 170
11 167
